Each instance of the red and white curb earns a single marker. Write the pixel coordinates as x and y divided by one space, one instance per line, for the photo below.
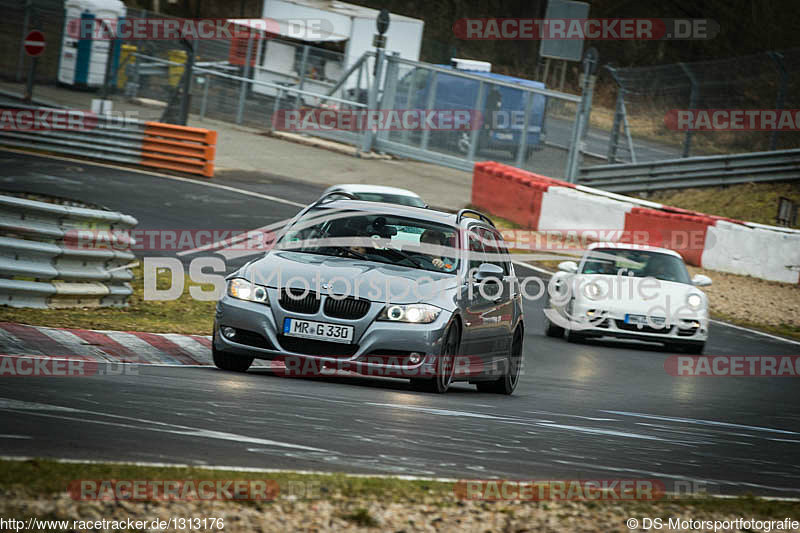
106 346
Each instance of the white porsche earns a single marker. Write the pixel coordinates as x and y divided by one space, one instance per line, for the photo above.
629 291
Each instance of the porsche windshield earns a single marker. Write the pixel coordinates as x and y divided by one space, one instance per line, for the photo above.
639 263
375 237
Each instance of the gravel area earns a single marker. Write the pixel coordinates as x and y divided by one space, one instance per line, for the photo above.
341 514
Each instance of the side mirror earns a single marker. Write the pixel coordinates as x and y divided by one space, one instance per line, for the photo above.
568 266
701 280
488 271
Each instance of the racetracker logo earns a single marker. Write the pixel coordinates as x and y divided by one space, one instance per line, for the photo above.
68 366
140 490
377 119
733 119
607 29
174 29
43 119
751 366
560 490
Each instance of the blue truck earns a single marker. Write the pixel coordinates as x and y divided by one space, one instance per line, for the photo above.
500 131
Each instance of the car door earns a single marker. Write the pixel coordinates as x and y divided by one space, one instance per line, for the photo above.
477 337
501 299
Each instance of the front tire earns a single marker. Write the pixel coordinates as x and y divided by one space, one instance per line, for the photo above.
229 362
445 364
508 381
552 330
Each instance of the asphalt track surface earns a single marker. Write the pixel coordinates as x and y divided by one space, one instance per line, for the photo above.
600 410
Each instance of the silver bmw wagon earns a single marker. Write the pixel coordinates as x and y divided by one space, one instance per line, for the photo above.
378 289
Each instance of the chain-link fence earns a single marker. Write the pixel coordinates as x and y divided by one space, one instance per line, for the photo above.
18 18
648 98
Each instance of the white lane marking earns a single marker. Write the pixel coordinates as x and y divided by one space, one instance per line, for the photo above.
143 349
697 421
74 344
718 322
166 176
431 410
48 177
15 437
610 432
252 469
198 351
9 404
659 475
762 333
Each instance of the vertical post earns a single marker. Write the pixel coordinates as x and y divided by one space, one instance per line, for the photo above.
783 81
186 82
31 76
243 88
432 84
409 104
366 144
275 110
388 101
582 115
473 140
563 75
25 24
112 46
687 141
613 139
546 70
522 151
303 68
204 103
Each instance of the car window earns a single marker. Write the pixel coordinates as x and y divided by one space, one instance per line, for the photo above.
375 237
476 251
638 263
492 249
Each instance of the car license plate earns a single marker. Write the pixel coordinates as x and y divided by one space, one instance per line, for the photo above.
295 327
645 321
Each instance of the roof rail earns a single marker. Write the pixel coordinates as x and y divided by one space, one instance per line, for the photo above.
481 216
329 195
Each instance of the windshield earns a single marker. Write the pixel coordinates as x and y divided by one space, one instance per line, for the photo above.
375 237
401 199
639 263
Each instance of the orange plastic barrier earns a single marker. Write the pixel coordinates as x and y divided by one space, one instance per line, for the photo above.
509 192
686 234
179 148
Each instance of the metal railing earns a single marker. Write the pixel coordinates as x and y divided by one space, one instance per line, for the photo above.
110 138
49 255
703 171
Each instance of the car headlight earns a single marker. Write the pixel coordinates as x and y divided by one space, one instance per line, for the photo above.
414 313
694 300
246 290
593 291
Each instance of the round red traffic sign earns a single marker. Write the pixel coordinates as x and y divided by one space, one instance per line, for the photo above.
34 43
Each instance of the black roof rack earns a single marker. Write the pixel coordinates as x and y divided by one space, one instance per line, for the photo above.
481 216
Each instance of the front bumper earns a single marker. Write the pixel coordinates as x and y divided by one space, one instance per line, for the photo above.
377 347
611 323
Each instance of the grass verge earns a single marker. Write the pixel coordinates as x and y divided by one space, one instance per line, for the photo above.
184 315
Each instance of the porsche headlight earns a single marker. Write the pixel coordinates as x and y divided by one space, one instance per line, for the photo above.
245 290
413 313
593 291
694 300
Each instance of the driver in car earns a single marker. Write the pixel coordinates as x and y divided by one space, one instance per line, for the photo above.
435 238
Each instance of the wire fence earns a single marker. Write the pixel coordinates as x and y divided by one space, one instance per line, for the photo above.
648 96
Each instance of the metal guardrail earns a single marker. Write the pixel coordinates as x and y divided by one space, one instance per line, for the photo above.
111 138
703 171
50 255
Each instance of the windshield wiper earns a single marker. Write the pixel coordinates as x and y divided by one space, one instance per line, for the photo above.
346 250
406 255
